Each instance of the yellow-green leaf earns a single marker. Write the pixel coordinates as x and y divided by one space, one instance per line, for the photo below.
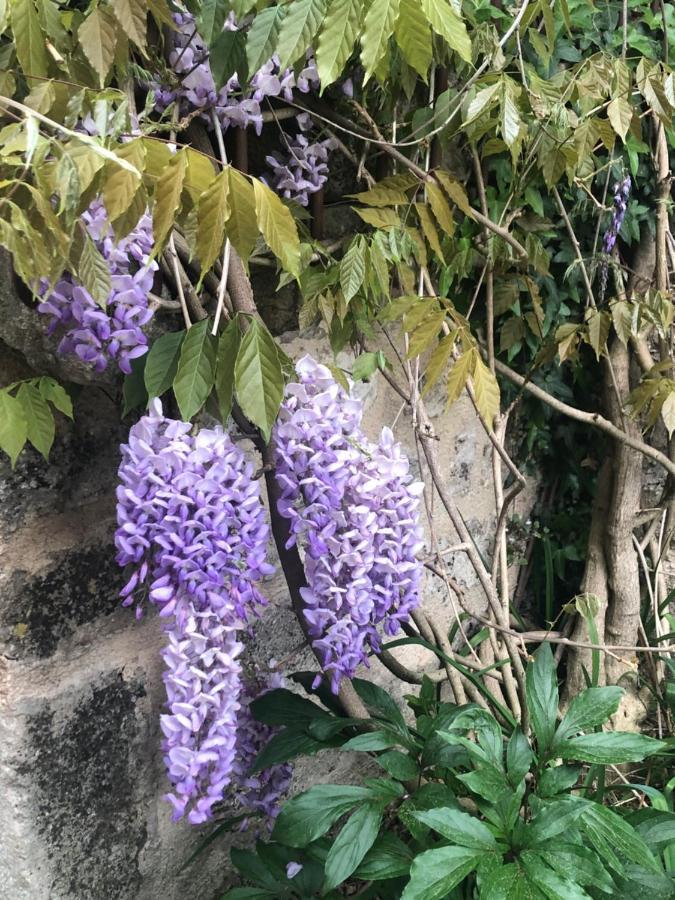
668 413
337 39
598 323
379 218
353 268
28 38
263 35
459 375
39 418
121 185
438 361
212 212
277 226
620 114
413 35
56 394
241 227
258 377
446 22
94 273
456 192
168 191
299 28
440 208
13 426
425 333
429 229
486 389
378 27
97 36
133 17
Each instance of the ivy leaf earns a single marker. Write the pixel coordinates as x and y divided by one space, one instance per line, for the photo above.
486 390
298 29
620 114
228 348
337 39
168 192
378 27
94 273
446 22
54 392
133 17
277 227
13 426
39 418
97 36
196 369
263 37
212 213
351 845
413 35
241 226
28 38
353 268
435 873
258 378
162 363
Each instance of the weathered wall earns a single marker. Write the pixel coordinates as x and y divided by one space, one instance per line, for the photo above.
81 775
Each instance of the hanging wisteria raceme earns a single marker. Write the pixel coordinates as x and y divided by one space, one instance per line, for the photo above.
94 334
192 527
258 794
354 509
296 174
621 194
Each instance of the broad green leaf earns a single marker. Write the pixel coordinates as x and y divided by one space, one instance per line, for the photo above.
288 744
481 103
281 706
399 765
379 702
211 19
541 688
553 819
366 364
435 873
258 377
351 845
54 392
459 827
28 38
588 710
389 857
168 192
446 22
277 227
510 118
620 114
13 426
134 393
212 213
298 30
337 39
353 268
162 363
308 816
94 273
609 747
196 369
227 57
441 208
39 418
518 757
615 840
241 226
583 862
557 780
553 885
509 882
97 36
133 17
228 347
263 36
413 35
373 740
378 27
486 390
459 375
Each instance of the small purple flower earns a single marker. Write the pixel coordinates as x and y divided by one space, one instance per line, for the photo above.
621 194
293 869
302 170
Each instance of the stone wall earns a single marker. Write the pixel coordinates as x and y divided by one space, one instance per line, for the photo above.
81 776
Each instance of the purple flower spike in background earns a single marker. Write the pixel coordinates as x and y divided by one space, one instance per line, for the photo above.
621 194
354 511
192 528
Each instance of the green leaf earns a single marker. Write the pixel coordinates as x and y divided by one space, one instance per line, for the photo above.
413 36
162 363
519 757
28 38
277 227
668 413
212 212
379 218
459 827
13 426
557 780
553 885
429 230
133 17
598 329
168 192
373 740
287 745
196 369
446 22
510 118
486 390
351 845
583 862
228 348
378 27
389 857
306 817
258 377
227 57
241 227
553 819
541 688
399 765
94 273
609 747
365 365
263 36
438 361
54 392
337 39
459 375
620 114
299 28
134 393
441 208
435 873
425 334
39 418
379 701
615 840
210 20
589 709
281 706
456 192
353 268
121 185
509 882
97 36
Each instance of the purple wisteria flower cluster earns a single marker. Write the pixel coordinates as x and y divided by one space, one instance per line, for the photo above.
237 106
621 194
354 508
94 334
192 526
